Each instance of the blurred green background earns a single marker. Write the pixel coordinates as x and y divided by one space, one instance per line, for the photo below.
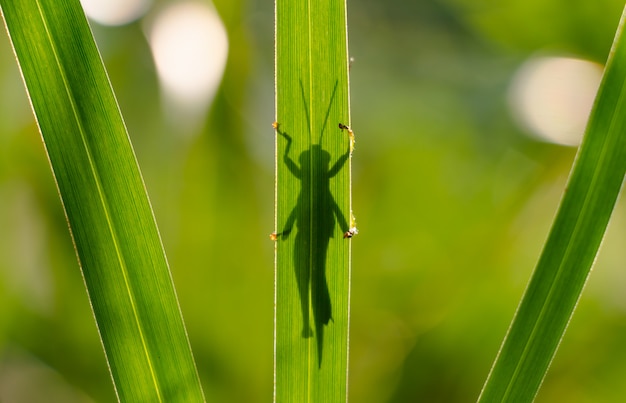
453 202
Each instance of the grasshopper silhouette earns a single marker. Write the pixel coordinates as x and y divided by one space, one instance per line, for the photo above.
314 217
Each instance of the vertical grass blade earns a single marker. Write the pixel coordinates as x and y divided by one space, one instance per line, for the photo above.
107 208
312 202
572 245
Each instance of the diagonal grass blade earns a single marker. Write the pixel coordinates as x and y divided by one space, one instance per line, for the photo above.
558 280
107 208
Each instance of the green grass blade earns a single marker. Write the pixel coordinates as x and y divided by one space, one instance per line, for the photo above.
113 228
572 245
312 202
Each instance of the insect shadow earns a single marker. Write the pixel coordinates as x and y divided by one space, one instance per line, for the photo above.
314 216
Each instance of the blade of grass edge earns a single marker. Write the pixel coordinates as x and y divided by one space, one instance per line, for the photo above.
312 98
112 225
572 245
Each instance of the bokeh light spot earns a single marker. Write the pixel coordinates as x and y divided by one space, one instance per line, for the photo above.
551 97
115 12
190 49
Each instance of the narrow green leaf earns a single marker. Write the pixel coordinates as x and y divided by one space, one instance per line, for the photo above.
111 221
312 202
576 234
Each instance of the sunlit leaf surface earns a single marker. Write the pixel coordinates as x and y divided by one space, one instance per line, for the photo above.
312 202
107 208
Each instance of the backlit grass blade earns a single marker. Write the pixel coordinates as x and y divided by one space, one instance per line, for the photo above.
110 218
312 202
569 252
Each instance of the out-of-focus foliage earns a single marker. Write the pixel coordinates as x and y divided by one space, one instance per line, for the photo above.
453 204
